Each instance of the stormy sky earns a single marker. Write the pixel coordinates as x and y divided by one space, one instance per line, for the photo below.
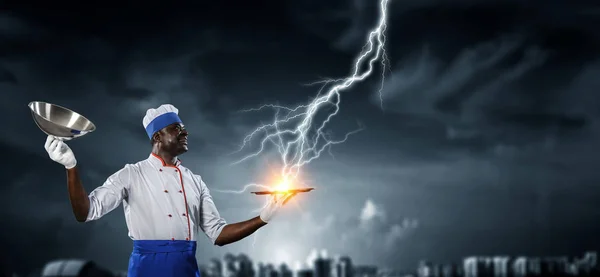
486 142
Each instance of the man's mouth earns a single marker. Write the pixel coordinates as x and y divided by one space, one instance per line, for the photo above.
183 141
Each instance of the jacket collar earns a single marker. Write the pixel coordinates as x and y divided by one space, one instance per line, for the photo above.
158 161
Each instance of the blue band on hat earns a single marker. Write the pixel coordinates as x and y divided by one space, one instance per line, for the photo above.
162 121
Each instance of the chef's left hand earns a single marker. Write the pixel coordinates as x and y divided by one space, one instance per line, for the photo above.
275 203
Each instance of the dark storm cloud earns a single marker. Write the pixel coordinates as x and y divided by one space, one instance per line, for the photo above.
493 92
94 73
33 219
346 23
7 77
463 93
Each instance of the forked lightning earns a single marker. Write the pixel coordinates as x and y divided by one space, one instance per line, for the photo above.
295 131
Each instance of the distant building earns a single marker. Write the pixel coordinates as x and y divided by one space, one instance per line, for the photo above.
428 269
470 266
305 273
424 269
229 265
215 268
555 266
262 271
501 266
592 258
450 270
478 266
534 266
284 271
589 262
245 267
74 268
519 267
436 270
267 270
322 267
586 266
344 267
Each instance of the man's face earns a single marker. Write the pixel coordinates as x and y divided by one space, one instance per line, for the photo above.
173 139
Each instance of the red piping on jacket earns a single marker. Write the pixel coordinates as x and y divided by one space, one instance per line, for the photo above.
187 214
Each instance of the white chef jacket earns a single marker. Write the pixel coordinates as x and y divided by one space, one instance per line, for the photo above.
161 202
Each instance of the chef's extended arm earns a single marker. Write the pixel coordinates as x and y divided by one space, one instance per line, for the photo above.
214 226
80 202
239 230
103 199
221 233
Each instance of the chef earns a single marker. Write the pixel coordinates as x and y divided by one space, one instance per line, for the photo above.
165 203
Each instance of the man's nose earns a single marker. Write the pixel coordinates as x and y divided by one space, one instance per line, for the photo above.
184 132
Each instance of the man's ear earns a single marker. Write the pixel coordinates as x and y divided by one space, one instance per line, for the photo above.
156 137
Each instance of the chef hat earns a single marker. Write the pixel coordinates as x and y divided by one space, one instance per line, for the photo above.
159 118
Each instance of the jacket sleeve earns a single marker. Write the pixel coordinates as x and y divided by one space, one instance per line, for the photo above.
211 221
110 195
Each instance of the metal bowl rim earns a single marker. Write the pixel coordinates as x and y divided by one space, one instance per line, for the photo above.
93 126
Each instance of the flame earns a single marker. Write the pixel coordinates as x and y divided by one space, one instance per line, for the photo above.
277 182
283 186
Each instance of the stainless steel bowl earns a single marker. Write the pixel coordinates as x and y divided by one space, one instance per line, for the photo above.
59 121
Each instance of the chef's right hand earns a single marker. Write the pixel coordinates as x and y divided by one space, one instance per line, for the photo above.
274 205
60 152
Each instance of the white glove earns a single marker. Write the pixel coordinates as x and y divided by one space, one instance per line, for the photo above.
275 202
60 152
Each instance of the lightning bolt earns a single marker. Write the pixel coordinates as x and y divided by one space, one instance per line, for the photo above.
296 144
296 133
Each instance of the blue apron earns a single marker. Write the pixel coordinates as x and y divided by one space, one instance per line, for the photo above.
163 258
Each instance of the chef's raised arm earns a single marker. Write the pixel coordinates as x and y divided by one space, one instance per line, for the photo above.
211 222
110 195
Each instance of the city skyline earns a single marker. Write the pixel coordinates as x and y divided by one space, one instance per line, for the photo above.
240 265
